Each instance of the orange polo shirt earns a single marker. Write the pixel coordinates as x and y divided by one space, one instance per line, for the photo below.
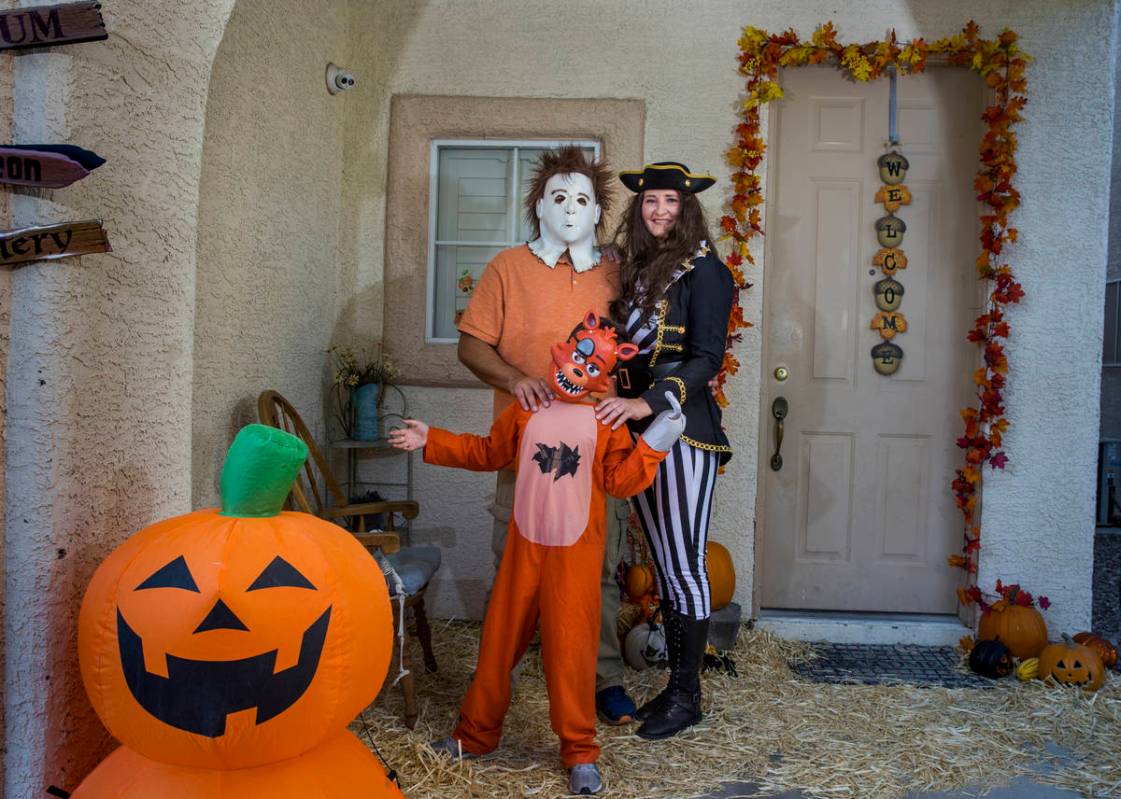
522 307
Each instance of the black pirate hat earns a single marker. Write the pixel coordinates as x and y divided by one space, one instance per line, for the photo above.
666 175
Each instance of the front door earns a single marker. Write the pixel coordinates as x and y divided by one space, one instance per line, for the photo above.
860 516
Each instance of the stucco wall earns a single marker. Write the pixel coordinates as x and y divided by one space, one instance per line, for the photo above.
268 222
1111 377
1037 514
5 340
291 214
99 365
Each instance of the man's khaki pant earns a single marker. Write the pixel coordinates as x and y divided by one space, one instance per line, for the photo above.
609 666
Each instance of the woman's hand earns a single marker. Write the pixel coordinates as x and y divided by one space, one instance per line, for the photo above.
413 436
615 411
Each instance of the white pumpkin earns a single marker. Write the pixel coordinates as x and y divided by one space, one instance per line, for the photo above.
645 646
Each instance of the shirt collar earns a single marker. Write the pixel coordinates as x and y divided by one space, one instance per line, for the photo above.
581 261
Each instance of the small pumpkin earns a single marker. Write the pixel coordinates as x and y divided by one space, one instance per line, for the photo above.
1019 627
639 581
1028 670
645 646
1106 651
990 659
721 575
1071 663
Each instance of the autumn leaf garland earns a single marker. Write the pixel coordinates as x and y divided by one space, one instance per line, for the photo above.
1002 65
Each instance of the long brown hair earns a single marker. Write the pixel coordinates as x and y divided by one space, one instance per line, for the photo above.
648 264
568 160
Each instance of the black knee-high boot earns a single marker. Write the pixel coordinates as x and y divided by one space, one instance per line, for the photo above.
679 705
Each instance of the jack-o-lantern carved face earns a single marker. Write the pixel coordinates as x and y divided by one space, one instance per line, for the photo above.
1071 663
256 648
230 641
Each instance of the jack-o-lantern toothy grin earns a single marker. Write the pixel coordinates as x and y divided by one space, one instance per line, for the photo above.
197 695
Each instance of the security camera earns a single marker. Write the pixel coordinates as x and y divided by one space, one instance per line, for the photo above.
338 80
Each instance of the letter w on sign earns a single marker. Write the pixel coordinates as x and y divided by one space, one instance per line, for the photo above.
45 26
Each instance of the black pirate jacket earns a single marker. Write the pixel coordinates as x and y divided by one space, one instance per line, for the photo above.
683 348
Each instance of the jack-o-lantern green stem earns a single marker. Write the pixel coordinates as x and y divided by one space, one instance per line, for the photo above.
260 467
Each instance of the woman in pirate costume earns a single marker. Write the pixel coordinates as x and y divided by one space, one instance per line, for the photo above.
675 296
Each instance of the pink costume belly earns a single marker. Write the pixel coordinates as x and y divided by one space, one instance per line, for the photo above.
553 492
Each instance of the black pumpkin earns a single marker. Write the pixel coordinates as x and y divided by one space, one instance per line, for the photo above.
991 659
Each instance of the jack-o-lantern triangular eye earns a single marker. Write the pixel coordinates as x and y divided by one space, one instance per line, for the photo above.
280 574
173 575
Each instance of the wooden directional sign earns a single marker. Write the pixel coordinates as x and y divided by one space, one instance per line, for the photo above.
46 26
54 241
48 166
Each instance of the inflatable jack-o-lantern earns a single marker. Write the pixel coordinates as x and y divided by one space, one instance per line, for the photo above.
237 636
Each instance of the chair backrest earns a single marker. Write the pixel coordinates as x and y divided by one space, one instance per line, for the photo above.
306 495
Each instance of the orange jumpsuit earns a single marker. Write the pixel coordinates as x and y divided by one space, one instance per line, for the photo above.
566 462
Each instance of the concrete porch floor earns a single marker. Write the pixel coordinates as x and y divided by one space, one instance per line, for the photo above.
1022 788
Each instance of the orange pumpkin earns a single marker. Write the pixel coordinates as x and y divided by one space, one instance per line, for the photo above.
639 581
234 637
721 575
1071 663
334 768
1106 651
1020 628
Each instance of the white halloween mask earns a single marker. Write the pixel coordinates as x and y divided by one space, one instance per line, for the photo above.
567 216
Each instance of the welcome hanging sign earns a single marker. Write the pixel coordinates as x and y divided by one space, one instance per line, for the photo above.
55 241
47 26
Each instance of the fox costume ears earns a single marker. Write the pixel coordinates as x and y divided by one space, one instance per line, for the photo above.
624 351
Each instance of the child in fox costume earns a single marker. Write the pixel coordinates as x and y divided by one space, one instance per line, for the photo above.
566 462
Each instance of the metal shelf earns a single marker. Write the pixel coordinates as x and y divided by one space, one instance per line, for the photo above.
377 449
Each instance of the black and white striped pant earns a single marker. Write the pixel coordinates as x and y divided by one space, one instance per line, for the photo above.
674 512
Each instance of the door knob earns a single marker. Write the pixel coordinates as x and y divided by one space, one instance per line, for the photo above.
779 409
781 373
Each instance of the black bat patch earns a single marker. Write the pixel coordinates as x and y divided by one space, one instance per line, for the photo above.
560 460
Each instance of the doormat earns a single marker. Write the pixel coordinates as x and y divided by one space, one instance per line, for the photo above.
885 664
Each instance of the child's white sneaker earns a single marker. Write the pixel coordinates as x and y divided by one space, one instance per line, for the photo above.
450 746
584 779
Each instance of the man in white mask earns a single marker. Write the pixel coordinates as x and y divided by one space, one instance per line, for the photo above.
524 302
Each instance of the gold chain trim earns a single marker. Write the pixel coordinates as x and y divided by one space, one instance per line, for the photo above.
680 386
709 447
663 306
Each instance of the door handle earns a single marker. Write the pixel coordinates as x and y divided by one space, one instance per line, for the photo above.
779 409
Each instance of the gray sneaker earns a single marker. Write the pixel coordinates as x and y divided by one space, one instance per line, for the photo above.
451 746
584 778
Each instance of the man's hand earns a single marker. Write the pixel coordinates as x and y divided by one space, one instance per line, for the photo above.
486 364
615 411
413 436
532 392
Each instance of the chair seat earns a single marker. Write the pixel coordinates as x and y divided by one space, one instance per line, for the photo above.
415 566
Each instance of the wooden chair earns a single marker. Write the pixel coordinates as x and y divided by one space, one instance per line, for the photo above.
414 565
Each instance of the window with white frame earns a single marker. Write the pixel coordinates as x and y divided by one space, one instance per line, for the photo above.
476 209
1111 351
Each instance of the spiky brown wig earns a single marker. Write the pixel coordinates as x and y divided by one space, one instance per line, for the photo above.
568 160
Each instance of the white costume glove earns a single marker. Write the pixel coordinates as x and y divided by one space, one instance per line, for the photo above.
667 426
